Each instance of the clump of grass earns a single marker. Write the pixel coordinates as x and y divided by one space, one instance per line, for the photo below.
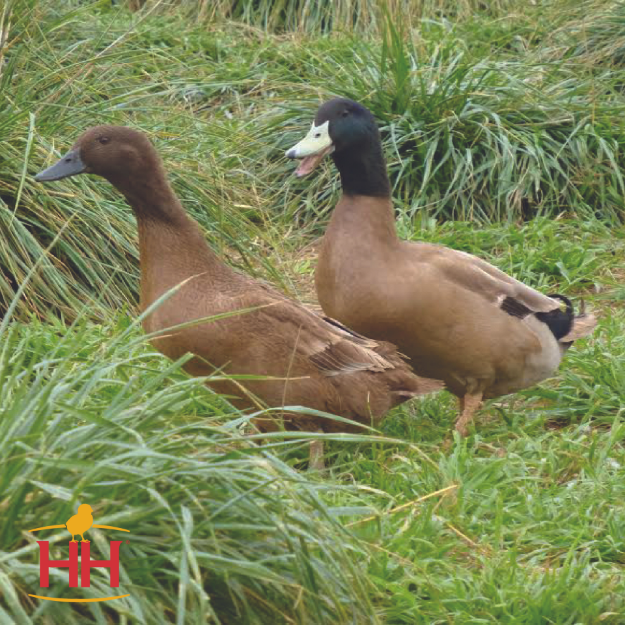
41 118
325 16
484 139
593 35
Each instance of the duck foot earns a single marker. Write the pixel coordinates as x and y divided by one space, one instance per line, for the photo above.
316 456
469 405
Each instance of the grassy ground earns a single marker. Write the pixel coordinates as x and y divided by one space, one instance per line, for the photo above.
503 128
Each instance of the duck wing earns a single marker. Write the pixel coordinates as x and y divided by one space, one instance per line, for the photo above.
335 351
328 345
482 278
508 294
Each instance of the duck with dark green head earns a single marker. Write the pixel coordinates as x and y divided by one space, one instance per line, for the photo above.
458 318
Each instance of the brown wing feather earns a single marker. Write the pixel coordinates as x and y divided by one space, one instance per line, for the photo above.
331 347
335 350
480 277
509 293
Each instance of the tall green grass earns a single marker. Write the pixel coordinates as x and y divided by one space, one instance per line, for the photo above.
96 73
469 133
220 529
593 35
325 16
488 139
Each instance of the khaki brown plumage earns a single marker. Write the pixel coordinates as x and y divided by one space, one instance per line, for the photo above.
309 361
457 318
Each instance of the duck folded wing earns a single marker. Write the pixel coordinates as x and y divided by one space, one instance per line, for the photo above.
335 351
478 276
511 296
328 345
332 346
345 353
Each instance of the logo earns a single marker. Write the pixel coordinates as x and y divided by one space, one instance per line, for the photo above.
77 525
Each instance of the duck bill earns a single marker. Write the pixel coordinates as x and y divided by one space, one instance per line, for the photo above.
312 148
70 165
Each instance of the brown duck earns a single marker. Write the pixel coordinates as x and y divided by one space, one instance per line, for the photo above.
307 360
457 317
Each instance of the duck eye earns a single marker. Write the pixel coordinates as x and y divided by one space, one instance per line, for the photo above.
345 113
103 140
317 135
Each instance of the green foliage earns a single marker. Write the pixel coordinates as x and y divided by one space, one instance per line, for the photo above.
98 76
593 34
487 139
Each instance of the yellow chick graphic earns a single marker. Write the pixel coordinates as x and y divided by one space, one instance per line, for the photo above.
80 522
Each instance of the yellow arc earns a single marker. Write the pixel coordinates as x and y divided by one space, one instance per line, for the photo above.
78 600
104 527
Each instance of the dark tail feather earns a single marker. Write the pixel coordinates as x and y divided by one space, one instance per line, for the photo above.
560 321
583 325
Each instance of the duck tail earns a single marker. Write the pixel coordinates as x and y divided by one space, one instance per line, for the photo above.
560 321
565 325
583 325
407 388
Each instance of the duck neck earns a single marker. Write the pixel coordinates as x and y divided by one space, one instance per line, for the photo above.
172 246
369 220
363 170
152 199
365 210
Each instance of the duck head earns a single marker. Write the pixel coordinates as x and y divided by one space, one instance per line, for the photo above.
340 126
346 130
113 152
